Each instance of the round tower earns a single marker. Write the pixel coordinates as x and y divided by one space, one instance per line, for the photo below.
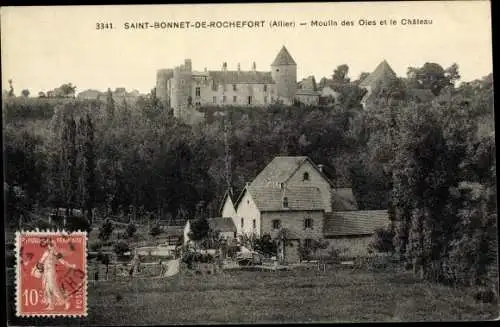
284 74
162 78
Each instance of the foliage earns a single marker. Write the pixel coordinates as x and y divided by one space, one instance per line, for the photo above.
106 230
25 93
190 257
121 247
433 77
131 229
199 229
266 246
383 240
155 230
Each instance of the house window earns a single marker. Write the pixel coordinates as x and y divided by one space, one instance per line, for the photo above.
234 87
215 99
242 221
276 224
198 92
250 100
223 99
235 99
305 177
308 223
265 88
254 224
285 202
308 243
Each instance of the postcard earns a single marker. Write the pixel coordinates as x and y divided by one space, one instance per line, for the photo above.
249 163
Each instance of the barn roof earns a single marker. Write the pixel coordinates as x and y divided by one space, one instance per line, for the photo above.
349 223
268 198
280 169
381 73
240 77
343 199
220 224
283 58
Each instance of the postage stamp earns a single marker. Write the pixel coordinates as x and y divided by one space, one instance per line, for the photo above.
51 274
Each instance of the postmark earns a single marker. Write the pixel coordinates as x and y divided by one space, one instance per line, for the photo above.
51 273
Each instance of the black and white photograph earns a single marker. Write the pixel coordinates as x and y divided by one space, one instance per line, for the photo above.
252 163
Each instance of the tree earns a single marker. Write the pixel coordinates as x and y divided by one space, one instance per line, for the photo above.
340 74
199 229
131 229
106 230
41 94
382 240
110 105
155 230
25 93
11 89
120 248
431 76
67 90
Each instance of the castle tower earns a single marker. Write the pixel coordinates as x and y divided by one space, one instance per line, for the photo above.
284 73
181 89
162 78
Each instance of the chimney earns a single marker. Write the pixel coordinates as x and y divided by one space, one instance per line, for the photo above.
224 66
239 67
254 66
205 69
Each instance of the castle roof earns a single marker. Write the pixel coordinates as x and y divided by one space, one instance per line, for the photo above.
283 58
240 77
381 73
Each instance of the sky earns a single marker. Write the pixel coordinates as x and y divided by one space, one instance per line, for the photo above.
44 47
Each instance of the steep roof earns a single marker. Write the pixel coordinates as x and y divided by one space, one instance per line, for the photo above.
308 83
227 194
381 73
348 223
343 199
283 58
240 77
221 224
281 168
268 198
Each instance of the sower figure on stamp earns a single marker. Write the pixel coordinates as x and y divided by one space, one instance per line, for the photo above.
46 270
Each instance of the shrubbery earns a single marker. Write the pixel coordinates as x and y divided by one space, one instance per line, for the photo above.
191 257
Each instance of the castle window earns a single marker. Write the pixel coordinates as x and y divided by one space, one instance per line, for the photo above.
215 99
190 100
276 224
285 202
223 99
265 87
250 100
305 177
254 224
242 221
214 86
235 99
277 69
308 223
234 87
308 243
182 82
198 91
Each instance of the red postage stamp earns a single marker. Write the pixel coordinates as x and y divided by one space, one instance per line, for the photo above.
51 274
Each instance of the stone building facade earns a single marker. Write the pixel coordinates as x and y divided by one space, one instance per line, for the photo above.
183 89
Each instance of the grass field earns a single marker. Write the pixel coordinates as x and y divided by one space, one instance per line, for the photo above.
285 296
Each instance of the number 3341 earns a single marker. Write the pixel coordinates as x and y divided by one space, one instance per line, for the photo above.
103 26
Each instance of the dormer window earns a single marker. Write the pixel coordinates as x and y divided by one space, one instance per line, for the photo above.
305 176
285 202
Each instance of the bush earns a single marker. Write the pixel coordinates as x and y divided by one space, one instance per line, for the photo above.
131 229
95 246
120 248
191 257
155 231
382 241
